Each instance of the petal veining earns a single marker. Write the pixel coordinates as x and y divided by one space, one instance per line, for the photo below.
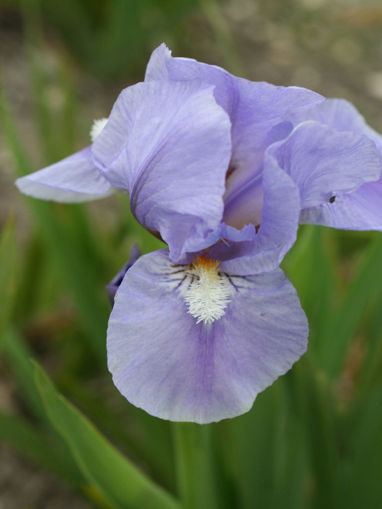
165 362
169 145
258 110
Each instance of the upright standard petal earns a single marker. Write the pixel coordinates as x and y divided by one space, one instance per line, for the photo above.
177 361
257 110
74 179
168 144
163 67
338 114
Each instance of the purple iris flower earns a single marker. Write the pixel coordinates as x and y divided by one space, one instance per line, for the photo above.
324 145
223 170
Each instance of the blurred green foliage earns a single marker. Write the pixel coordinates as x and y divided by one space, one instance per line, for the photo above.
111 35
107 37
312 440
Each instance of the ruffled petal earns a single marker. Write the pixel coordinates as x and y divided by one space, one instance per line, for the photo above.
169 145
339 114
257 110
74 179
258 123
361 210
164 362
162 66
325 163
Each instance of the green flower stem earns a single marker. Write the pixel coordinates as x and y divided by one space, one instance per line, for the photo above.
194 466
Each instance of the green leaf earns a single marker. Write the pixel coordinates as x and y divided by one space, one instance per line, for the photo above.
17 356
76 270
39 448
37 77
252 450
34 272
194 466
142 436
310 267
291 460
8 260
120 482
371 372
316 410
336 338
360 480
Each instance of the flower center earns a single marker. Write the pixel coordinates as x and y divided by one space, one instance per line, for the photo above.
207 292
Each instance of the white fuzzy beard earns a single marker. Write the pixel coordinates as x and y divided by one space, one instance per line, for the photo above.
97 127
206 291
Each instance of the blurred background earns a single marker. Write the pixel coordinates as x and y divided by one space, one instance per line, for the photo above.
314 438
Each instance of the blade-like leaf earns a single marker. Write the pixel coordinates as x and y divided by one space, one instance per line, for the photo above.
17 356
317 414
75 268
252 449
311 269
42 450
121 483
8 262
195 469
39 448
143 437
340 330
360 482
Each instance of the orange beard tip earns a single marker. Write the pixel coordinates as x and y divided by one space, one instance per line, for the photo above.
201 261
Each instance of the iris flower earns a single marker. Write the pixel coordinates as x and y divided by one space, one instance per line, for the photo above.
223 170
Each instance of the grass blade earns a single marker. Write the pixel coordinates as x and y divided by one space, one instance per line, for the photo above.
77 272
34 445
122 484
196 482
8 261
335 340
